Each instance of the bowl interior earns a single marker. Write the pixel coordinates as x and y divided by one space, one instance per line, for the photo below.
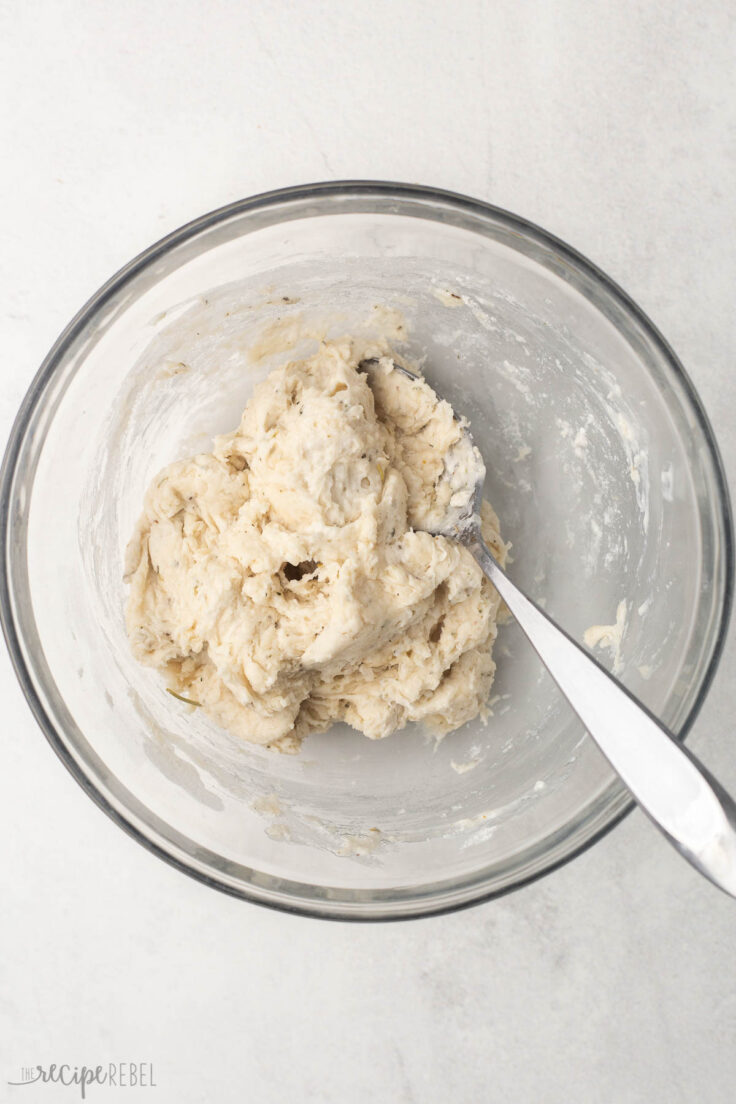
598 466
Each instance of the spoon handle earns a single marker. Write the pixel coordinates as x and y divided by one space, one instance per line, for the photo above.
689 806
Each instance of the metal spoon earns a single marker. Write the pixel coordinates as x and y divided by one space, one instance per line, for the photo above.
676 791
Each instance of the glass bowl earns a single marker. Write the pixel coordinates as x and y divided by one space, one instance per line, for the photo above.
601 465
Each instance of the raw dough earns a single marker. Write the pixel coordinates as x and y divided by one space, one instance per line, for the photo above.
280 582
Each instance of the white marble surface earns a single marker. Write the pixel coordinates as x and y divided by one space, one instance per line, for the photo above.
613 980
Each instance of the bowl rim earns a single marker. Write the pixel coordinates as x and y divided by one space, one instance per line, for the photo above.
423 906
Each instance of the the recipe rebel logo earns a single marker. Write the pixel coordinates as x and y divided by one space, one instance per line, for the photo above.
116 1075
